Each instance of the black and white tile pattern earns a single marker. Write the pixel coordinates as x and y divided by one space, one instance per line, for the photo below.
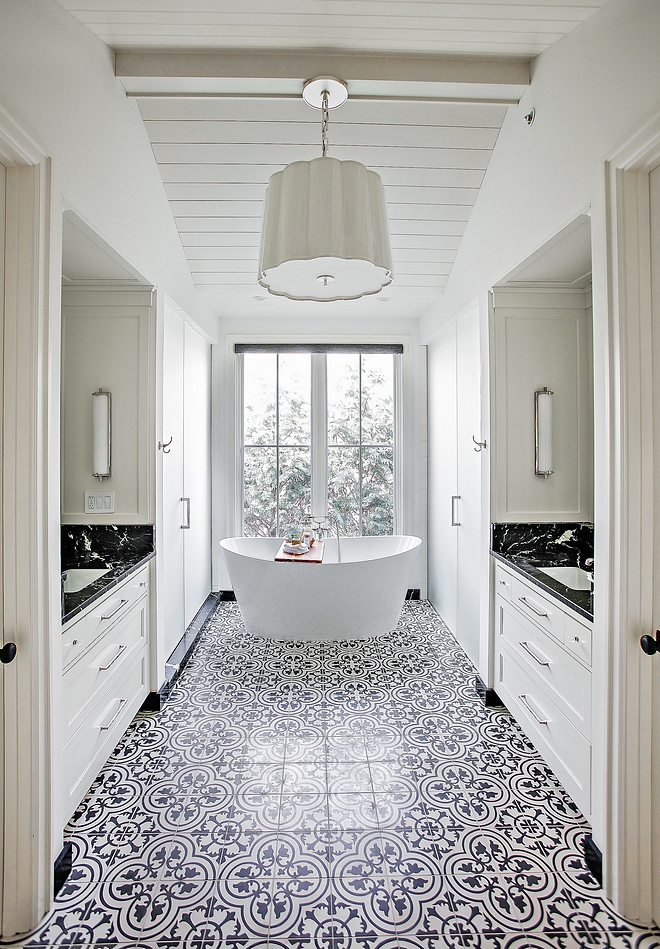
350 795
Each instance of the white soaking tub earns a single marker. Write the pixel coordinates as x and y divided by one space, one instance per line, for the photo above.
359 597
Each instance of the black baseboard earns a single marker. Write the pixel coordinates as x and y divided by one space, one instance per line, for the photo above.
176 663
489 697
593 858
62 868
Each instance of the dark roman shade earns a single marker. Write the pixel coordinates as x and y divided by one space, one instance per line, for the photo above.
372 348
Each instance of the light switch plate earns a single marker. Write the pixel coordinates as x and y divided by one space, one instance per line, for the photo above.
99 502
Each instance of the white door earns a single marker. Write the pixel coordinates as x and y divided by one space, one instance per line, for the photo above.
468 388
197 470
443 477
654 186
3 177
172 541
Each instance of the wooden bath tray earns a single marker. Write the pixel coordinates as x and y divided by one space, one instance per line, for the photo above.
313 555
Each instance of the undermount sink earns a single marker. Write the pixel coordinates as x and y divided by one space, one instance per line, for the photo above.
79 578
572 577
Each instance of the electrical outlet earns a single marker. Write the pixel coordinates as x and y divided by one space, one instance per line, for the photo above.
99 502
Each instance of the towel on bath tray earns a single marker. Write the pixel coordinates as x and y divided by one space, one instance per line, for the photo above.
313 555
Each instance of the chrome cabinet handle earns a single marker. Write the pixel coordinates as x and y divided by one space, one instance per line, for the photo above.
454 499
523 698
186 526
532 608
108 725
116 656
541 662
122 604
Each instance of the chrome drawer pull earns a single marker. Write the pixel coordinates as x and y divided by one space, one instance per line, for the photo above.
541 662
122 604
108 725
116 656
525 702
532 608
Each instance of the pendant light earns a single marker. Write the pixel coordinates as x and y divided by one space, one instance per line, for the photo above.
325 235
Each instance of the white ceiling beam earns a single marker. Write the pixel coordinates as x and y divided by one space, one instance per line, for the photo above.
281 73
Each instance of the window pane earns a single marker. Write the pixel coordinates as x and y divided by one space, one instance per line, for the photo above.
295 487
377 491
343 399
259 381
344 487
260 490
295 392
377 400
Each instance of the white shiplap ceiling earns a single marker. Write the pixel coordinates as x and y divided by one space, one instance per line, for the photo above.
499 27
429 85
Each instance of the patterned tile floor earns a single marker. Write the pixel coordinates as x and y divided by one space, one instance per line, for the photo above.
330 796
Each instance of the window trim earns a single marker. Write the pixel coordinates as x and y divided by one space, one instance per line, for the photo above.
318 413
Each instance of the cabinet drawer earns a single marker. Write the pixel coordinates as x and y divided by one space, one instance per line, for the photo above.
502 582
86 752
79 634
74 641
565 679
577 637
105 660
566 750
116 605
540 609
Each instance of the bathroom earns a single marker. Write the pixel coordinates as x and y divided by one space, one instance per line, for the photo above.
530 197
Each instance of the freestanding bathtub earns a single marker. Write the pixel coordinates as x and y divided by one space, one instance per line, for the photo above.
359 597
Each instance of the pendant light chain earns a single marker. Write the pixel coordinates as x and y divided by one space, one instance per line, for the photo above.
325 119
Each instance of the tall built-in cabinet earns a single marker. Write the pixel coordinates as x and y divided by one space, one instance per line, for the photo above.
455 478
185 550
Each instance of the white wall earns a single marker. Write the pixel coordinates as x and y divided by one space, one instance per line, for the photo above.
590 90
57 80
107 342
305 329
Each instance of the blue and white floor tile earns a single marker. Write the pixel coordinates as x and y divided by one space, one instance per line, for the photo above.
330 796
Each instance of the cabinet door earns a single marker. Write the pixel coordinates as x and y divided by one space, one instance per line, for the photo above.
443 477
172 613
468 389
197 470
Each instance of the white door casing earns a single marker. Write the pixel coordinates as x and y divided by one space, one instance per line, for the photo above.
634 603
30 530
654 203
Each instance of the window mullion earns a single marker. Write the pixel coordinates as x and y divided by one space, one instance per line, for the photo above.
277 445
319 435
360 439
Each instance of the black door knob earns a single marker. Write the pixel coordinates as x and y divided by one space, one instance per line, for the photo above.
7 652
650 645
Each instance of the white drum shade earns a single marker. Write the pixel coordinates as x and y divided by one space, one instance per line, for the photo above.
325 235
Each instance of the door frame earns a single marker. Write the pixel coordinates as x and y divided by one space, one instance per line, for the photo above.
30 522
631 499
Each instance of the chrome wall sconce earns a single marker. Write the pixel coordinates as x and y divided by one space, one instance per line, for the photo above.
543 431
101 434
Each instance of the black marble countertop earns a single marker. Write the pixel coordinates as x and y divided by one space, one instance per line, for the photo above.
75 603
582 601
121 548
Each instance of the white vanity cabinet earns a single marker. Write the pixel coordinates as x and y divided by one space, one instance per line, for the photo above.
105 680
543 676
